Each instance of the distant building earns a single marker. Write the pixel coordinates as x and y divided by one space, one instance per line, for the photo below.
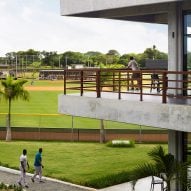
156 64
78 66
51 74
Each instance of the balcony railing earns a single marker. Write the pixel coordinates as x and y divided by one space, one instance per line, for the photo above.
167 84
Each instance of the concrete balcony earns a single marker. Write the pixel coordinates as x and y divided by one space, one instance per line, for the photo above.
112 98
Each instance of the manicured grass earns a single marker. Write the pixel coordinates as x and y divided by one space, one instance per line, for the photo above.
42 111
47 83
81 163
41 102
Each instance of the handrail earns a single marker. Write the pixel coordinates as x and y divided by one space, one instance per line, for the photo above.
168 84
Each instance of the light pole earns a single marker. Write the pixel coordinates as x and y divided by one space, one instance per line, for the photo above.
16 66
154 50
88 61
59 60
66 60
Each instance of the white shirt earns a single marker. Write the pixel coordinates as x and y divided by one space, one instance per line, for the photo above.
23 159
133 65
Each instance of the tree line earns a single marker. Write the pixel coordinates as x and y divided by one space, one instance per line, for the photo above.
44 59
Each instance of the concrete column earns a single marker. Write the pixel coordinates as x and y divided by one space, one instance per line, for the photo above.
175 144
176 147
175 44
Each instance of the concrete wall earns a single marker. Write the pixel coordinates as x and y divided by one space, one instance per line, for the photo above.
80 6
53 134
168 116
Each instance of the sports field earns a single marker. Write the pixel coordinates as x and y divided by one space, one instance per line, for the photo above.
90 164
42 110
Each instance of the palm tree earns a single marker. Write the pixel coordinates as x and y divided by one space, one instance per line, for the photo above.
162 163
12 90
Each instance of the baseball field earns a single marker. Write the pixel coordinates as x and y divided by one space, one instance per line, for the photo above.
42 110
90 164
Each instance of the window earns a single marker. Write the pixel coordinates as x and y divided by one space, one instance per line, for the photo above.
187 41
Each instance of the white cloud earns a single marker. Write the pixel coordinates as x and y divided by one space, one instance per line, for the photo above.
37 24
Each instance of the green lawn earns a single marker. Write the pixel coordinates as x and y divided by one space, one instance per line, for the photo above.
47 83
81 163
42 111
90 164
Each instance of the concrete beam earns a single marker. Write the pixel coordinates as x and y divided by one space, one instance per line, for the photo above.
168 116
71 7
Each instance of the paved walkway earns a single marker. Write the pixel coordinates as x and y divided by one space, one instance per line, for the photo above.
10 176
143 184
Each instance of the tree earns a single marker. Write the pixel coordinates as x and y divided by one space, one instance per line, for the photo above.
72 58
153 53
36 67
112 57
162 163
95 58
50 59
12 90
113 52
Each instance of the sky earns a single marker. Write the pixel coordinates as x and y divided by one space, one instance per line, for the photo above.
38 25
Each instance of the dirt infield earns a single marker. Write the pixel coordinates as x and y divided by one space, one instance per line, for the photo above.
44 88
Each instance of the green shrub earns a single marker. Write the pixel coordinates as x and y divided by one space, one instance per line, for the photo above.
6 187
109 180
121 143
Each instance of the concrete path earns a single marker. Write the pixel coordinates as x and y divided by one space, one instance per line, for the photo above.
10 176
143 184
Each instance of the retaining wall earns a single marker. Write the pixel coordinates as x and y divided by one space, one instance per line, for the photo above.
57 134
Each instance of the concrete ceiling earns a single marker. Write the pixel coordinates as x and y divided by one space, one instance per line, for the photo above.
150 13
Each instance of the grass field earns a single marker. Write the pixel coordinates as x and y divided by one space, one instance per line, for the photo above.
90 164
42 111
81 163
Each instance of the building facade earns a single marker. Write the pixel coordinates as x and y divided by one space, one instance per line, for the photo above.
176 118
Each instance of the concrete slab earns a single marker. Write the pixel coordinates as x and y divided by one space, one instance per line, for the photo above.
141 185
11 176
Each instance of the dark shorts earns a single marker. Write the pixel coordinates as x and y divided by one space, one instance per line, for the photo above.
136 75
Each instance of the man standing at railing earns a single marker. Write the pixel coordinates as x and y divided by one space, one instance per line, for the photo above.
135 75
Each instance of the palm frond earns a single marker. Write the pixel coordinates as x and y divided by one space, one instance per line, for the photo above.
163 163
12 90
157 154
142 171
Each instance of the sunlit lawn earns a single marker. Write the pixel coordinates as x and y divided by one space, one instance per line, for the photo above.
47 83
76 162
80 163
42 111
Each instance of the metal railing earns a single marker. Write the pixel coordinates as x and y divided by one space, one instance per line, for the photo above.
167 84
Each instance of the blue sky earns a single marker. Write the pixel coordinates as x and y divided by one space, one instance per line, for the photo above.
37 24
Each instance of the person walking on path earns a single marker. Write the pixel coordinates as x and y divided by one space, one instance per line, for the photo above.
38 166
23 168
136 75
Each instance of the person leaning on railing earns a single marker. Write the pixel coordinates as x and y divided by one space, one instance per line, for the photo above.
135 75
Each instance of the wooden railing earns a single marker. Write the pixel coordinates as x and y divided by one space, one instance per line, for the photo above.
149 82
